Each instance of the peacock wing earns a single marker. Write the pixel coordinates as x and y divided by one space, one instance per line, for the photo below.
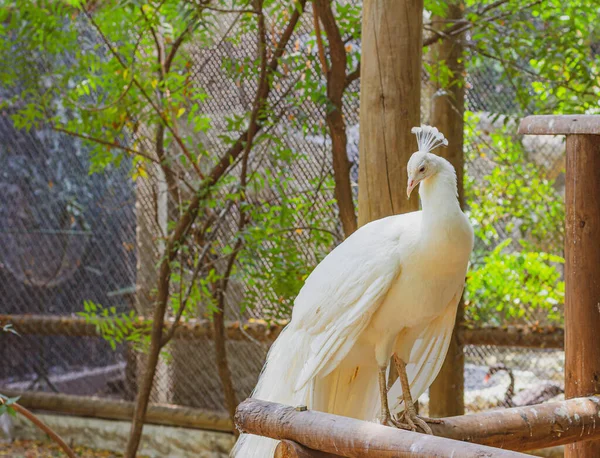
344 291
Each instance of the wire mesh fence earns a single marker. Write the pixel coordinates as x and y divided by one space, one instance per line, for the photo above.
68 237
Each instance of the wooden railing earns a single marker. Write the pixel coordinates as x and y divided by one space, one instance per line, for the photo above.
499 433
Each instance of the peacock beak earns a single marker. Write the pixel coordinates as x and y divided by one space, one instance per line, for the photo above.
411 185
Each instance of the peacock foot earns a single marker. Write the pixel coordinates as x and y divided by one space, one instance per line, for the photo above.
410 421
386 420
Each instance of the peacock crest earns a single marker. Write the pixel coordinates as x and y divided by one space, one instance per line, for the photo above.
429 138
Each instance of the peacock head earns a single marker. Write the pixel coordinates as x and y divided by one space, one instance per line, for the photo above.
423 164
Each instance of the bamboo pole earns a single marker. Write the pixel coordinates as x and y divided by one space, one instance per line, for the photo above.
582 255
350 437
87 406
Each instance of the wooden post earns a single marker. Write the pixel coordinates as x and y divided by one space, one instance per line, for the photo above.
446 394
390 98
582 256
390 106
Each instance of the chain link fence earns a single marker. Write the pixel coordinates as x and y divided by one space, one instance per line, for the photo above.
67 237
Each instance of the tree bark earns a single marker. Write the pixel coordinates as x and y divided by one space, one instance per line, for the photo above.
446 394
390 99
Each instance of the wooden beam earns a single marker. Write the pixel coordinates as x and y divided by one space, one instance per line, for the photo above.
560 125
350 437
87 406
56 325
291 449
513 336
582 255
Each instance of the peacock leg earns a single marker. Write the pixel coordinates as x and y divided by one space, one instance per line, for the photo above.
385 417
409 418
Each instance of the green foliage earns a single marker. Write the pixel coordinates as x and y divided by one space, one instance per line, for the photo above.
513 195
115 327
274 263
516 282
511 287
543 51
6 405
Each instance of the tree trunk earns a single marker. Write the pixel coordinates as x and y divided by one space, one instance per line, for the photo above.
446 394
222 360
390 101
390 97
152 202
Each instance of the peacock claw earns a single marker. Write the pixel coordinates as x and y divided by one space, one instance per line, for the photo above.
412 422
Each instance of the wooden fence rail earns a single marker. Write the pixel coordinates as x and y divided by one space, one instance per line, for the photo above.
49 325
111 409
516 429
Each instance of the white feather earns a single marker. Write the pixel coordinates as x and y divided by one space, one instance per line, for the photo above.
429 138
392 286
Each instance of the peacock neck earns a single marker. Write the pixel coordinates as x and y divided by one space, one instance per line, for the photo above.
439 196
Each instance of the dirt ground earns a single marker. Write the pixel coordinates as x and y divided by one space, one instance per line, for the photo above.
39 449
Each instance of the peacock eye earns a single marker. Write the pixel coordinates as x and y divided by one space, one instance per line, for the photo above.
422 169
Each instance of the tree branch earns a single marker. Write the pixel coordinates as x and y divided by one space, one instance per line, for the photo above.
156 109
336 84
320 46
44 427
103 142
353 76
199 268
